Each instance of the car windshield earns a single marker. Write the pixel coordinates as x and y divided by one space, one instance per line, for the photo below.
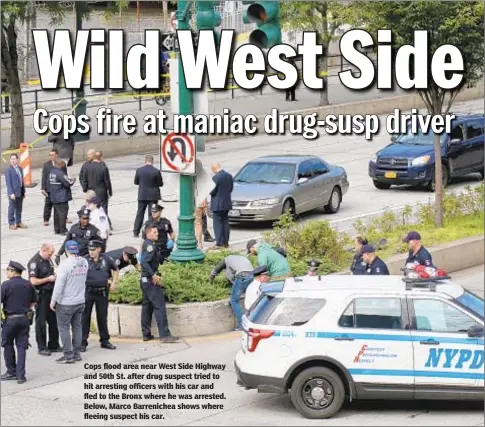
266 173
419 138
473 302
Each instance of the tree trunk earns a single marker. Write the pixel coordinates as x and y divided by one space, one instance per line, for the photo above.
323 40
438 194
17 120
323 67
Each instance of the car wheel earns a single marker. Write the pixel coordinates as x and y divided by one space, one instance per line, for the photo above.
333 205
288 207
445 179
381 185
317 393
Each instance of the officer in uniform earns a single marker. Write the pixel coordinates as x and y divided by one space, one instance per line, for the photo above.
82 233
375 265
151 286
18 298
42 276
313 267
124 257
418 254
165 232
359 266
101 269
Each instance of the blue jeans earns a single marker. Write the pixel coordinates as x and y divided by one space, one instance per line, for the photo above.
15 211
238 288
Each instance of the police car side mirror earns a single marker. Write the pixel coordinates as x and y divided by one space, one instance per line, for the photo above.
455 141
475 331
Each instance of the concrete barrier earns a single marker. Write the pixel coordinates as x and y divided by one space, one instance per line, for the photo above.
215 317
150 143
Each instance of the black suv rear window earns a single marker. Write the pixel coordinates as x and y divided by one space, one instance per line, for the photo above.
279 311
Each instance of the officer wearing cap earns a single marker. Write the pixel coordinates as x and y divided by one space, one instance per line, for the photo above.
261 275
82 233
151 287
101 268
165 232
313 267
375 265
18 298
124 257
418 254
42 276
359 266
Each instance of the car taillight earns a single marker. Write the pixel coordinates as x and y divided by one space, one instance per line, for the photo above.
255 336
441 273
420 268
423 275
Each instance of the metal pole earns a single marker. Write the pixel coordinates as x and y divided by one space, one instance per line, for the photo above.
187 249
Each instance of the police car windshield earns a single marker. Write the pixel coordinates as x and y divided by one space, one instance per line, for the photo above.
473 302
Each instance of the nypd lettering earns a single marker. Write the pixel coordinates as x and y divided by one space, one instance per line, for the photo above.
455 358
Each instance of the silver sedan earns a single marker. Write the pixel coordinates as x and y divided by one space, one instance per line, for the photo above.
269 186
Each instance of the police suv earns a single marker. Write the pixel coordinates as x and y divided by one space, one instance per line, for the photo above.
331 338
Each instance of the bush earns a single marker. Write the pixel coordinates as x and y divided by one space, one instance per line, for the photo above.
185 283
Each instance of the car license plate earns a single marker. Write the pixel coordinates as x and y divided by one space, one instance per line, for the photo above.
390 175
234 213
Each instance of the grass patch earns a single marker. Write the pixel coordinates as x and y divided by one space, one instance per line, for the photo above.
185 283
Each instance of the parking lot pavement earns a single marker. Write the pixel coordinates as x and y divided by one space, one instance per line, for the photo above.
351 152
54 395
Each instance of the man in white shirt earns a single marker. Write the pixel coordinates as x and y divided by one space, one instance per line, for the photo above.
203 187
99 219
261 275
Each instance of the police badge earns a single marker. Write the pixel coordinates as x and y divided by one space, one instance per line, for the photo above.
33 265
88 233
117 262
150 248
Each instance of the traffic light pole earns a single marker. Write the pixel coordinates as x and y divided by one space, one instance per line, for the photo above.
187 249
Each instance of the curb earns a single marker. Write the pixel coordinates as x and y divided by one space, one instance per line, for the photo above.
148 144
215 317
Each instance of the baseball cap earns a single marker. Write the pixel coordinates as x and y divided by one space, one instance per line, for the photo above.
368 249
72 247
412 235
250 244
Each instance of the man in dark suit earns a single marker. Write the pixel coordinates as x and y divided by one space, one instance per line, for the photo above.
14 179
149 180
46 170
221 204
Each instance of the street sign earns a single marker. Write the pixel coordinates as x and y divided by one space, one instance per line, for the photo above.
178 154
168 42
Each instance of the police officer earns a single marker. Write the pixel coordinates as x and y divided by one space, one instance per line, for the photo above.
18 298
418 254
59 191
124 257
151 286
42 277
313 267
101 269
375 265
166 236
82 233
359 266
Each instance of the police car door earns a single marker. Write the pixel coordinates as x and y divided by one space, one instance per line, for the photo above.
444 355
374 344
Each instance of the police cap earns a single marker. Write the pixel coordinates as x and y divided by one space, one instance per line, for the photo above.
94 244
84 213
259 271
130 251
156 208
17 267
412 235
367 249
314 264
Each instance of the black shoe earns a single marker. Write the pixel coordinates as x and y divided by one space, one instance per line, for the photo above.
83 349
8 377
108 346
77 357
56 350
209 239
149 338
21 380
63 234
45 352
66 360
136 234
169 340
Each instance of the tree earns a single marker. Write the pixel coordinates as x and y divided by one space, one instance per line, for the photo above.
459 23
319 16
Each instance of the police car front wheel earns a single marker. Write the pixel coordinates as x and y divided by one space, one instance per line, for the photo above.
318 393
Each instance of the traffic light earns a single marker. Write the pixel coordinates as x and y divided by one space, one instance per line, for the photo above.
266 15
207 17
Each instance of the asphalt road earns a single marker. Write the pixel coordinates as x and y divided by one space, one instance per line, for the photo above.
54 395
351 152
244 102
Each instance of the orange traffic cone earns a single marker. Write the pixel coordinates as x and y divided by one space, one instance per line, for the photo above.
25 165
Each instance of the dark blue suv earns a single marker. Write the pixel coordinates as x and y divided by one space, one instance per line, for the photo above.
409 159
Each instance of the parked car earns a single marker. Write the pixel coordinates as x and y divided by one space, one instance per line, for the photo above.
410 160
269 186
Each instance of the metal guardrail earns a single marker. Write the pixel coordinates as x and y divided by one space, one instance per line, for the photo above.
137 96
